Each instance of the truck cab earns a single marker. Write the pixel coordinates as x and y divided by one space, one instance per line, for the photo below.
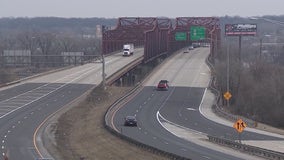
128 49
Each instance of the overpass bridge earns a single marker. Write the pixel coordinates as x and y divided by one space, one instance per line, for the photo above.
158 35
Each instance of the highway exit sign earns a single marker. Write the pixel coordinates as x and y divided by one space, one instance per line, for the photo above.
180 36
197 33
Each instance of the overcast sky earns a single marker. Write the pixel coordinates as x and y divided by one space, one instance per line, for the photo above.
139 8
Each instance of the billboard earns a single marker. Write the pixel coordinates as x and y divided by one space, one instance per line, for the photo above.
16 57
240 29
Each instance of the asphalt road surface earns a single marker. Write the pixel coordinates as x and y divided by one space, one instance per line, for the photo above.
24 106
189 77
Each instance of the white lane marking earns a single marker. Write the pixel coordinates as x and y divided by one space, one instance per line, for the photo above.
202 103
74 77
206 157
191 109
158 119
3 141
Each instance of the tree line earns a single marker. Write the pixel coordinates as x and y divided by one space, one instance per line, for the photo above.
48 37
255 81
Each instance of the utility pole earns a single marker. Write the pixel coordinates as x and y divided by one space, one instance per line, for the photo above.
228 72
103 72
260 48
240 49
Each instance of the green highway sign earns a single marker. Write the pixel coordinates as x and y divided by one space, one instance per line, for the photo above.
180 36
197 33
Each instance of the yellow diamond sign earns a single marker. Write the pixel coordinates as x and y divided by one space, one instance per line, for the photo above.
240 125
227 95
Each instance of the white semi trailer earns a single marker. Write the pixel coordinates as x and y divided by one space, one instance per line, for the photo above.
128 49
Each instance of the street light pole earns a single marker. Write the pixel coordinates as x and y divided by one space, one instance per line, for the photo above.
228 71
260 48
103 72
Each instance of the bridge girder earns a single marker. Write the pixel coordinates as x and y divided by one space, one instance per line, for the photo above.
157 34
138 31
183 24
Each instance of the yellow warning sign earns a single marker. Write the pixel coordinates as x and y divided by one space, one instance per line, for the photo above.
240 125
227 95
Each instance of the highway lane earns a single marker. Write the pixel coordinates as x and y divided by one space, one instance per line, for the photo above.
189 77
17 129
25 105
182 108
149 131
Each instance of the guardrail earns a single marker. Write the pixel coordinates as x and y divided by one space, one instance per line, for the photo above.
264 153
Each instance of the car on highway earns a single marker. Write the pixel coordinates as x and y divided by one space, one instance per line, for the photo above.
163 85
130 121
190 48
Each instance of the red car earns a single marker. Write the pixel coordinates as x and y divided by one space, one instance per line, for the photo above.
163 85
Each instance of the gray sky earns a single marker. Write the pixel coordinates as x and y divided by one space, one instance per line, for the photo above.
139 8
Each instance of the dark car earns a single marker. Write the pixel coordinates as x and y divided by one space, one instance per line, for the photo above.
130 121
163 85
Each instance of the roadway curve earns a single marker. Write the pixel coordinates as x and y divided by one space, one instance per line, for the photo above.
24 106
166 117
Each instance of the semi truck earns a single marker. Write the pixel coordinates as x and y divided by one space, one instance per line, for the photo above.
128 49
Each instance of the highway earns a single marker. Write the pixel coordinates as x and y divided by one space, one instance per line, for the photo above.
158 112
24 106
